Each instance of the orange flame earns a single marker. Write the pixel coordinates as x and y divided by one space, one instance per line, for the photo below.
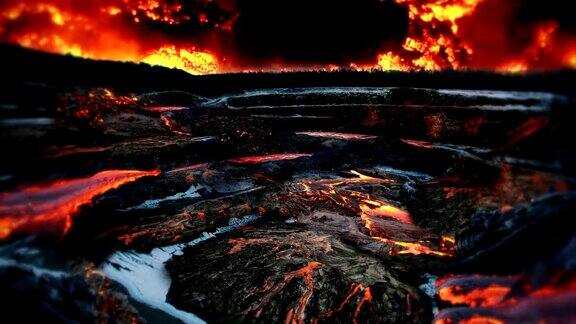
438 37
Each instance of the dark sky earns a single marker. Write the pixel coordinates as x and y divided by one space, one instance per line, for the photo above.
318 30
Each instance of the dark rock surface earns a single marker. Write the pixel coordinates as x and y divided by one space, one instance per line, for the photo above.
300 204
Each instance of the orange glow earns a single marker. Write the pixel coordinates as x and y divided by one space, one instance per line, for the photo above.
369 207
437 37
191 61
413 248
526 129
544 39
240 243
93 105
339 136
107 37
356 290
173 127
43 208
307 275
494 295
554 289
366 299
162 109
490 295
432 40
391 62
267 158
476 319
421 144
379 209
295 315
189 168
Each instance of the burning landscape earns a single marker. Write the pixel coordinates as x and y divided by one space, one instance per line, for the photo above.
217 36
402 161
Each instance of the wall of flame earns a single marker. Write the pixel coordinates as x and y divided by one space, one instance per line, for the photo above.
198 36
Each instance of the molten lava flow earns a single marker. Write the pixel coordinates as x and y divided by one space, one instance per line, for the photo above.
267 158
518 299
366 299
370 209
106 30
44 208
542 41
307 275
189 168
432 42
379 209
162 109
240 243
339 136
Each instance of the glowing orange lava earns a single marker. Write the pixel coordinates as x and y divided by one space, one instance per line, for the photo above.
191 61
369 207
72 29
162 109
481 296
339 136
527 129
45 208
476 319
172 126
267 158
496 299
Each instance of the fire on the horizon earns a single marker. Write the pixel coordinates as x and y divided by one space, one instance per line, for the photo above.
209 36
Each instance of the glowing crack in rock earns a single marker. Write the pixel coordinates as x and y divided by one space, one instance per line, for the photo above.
146 278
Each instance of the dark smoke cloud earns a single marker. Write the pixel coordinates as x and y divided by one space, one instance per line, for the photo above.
318 31
561 11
